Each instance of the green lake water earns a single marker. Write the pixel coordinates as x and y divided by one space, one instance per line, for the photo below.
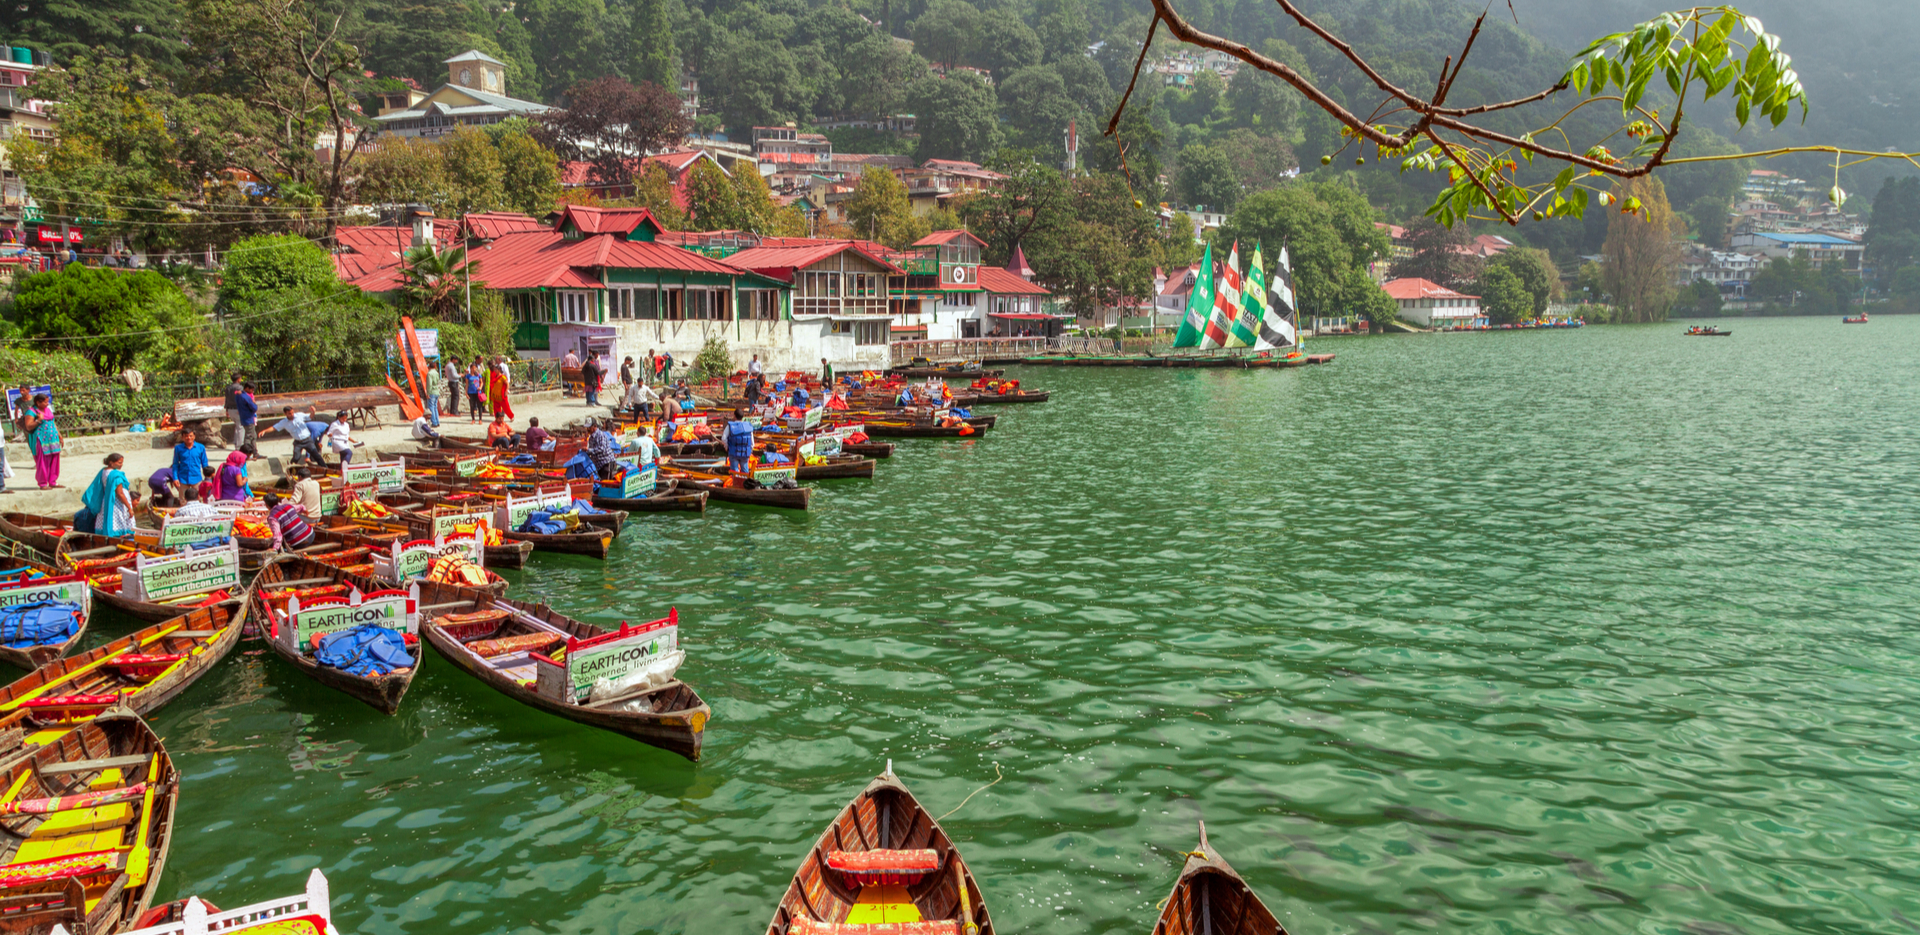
1608 630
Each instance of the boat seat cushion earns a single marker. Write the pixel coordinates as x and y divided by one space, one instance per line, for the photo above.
525 643
801 925
883 867
84 819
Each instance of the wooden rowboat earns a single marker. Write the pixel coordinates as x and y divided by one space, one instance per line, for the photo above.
975 372
884 830
993 399
434 492
142 670
790 498
668 496
405 526
836 467
93 819
383 692
591 542
921 430
104 579
1210 899
671 717
20 586
41 532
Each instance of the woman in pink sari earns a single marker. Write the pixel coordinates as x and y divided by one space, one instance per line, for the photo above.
43 438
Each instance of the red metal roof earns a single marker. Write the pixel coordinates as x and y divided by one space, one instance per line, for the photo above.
605 220
546 259
491 225
1000 282
1422 289
939 238
781 261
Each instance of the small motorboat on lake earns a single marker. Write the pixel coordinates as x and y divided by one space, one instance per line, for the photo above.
1709 331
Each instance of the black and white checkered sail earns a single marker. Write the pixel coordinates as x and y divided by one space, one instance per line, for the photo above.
1276 324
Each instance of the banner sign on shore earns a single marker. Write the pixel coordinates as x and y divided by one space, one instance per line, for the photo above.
70 589
155 580
393 609
386 476
608 656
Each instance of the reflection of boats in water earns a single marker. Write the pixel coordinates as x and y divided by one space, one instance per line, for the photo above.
1709 331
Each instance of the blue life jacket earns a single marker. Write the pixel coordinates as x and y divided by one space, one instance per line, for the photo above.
366 650
739 440
41 623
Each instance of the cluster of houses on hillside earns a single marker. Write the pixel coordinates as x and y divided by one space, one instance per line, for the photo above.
612 280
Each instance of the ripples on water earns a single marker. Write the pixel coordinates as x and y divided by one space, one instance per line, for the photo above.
1585 631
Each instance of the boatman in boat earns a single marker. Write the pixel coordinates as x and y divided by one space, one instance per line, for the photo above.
739 443
288 522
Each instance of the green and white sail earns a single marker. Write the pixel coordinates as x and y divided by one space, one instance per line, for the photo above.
1199 305
1246 325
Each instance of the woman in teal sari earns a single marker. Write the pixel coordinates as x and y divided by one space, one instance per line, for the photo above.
110 498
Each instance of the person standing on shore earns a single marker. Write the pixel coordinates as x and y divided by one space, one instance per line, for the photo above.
590 378
497 388
626 377
43 438
456 384
826 376
233 412
436 385
110 497
569 362
189 461
476 410
246 434
339 440
295 424
666 367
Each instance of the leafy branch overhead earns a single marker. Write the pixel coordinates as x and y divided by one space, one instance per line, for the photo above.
1696 54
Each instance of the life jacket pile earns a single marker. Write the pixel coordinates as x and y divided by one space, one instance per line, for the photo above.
454 569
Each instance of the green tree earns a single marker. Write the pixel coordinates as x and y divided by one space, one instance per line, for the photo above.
710 197
473 172
1535 271
1003 44
1642 251
1108 248
1259 162
1504 297
654 57
437 282
957 118
1140 141
1906 287
946 32
1438 254
1700 299
1893 230
653 190
1329 232
404 170
1031 206
293 318
1259 101
1204 176
1203 96
566 39
875 73
1037 108
106 316
529 172
879 210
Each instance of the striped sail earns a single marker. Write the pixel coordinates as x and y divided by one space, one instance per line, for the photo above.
1226 304
1246 327
1199 305
1276 330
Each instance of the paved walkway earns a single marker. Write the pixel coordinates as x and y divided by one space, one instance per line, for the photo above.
78 468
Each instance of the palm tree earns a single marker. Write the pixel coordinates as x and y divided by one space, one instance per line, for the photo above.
436 282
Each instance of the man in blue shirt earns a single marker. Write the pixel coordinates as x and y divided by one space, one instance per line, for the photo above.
739 442
306 442
189 460
247 436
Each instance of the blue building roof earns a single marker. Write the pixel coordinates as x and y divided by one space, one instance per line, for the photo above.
1825 240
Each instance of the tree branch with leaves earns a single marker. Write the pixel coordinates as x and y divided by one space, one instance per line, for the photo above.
1698 54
